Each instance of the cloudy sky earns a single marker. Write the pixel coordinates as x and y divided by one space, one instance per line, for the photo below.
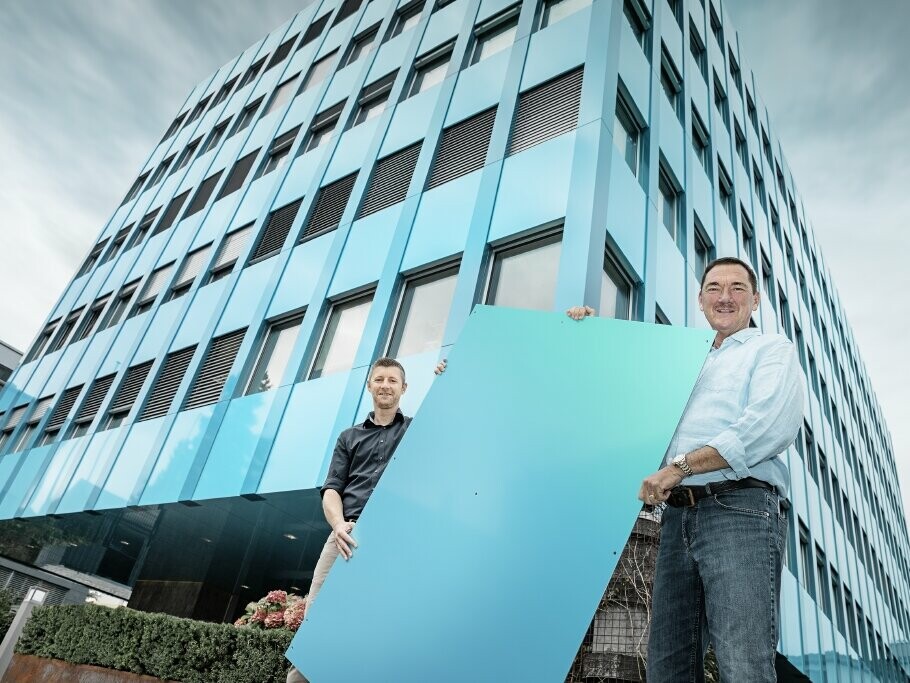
87 88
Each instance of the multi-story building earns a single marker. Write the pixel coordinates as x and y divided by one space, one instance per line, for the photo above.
351 186
9 359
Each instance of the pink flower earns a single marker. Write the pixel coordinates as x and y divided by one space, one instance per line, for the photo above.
274 620
293 615
258 616
276 597
242 621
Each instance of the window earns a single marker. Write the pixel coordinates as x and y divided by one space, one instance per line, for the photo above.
135 188
546 111
214 370
251 73
15 417
246 116
627 135
238 174
699 53
174 127
717 29
92 258
390 180
406 18
704 250
171 213
201 198
197 110
120 305
58 417
330 204
462 148
161 171
361 45
617 292
660 318
276 231
117 244
784 310
725 189
373 98
813 373
751 112
767 276
282 51
215 137
741 151
780 179
223 93
41 341
720 102
228 253
775 223
150 291
63 334
318 72
838 509
554 10
669 206
788 254
90 405
671 81
748 235
274 355
639 19
759 185
495 35
823 475
524 275
821 566
676 9
92 317
315 30
341 337
423 313
125 397
323 126
162 393
186 155
701 141
281 95
192 266
348 7
279 151
805 560
430 69
735 72
27 434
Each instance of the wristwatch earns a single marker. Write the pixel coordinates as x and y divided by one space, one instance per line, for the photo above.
680 462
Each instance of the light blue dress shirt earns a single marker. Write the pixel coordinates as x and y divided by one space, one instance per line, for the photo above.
748 405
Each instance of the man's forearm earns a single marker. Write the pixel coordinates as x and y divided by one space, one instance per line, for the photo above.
332 507
706 459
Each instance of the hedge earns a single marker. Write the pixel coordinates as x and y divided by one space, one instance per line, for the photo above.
6 614
156 644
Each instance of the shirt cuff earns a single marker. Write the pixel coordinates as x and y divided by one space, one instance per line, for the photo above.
334 486
731 449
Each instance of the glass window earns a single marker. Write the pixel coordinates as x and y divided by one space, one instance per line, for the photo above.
725 189
554 10
282 95
278 154
274 355
371 109
374 97
616 291
423 313
704 252
639 21
524 276
668 206
430 70
627 135
671 81
318 72
720 102
406 18
215 137
361 45
495 35
246 116
342 336
697 48
186 155
120 306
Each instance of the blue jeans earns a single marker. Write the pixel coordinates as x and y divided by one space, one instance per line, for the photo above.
718 581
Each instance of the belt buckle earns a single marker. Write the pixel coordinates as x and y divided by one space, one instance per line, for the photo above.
682 496
691 497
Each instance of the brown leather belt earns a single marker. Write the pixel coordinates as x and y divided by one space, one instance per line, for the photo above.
687 496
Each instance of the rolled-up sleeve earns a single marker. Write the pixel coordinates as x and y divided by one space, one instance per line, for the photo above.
772 415
339 469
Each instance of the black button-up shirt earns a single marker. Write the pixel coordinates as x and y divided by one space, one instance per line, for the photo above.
361 455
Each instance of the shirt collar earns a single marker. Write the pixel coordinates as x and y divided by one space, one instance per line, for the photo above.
369 424
742 336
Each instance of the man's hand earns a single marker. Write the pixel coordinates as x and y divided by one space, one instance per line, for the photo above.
440 367
580 312
343 540
656 487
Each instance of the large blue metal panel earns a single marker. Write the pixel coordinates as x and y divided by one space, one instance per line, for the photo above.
479 507
361 262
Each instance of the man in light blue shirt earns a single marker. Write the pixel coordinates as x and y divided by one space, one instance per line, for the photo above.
726 484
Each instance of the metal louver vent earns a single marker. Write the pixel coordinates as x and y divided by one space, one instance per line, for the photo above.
40 410
463 148
162 393
63 408
232 246
129 389
547 111
391 180
202 194
330 205
155 282
214 370
94 399
276 230
191 267
15 417
282 52
170 214
238 174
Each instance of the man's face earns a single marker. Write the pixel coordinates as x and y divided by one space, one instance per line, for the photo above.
727 298
386 386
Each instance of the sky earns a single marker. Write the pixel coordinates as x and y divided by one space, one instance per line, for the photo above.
87 88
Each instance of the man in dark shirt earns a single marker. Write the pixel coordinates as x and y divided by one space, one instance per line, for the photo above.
361 455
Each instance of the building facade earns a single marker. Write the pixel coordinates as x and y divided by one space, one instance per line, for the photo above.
9 359
351 186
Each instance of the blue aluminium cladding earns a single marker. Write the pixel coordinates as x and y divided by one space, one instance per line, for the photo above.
668 66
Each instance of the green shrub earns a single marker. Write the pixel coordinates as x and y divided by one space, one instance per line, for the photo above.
156 644
6 614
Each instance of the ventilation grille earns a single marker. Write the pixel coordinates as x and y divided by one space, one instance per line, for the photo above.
330 205
202 194
231 247
463 148
391 180
215 369
282 52
277 229
162 393
547 111
170 215
238 174
64 406
40 411
15 417
155 283
129 390
191 267
94 399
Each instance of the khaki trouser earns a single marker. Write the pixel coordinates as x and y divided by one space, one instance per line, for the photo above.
326 559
